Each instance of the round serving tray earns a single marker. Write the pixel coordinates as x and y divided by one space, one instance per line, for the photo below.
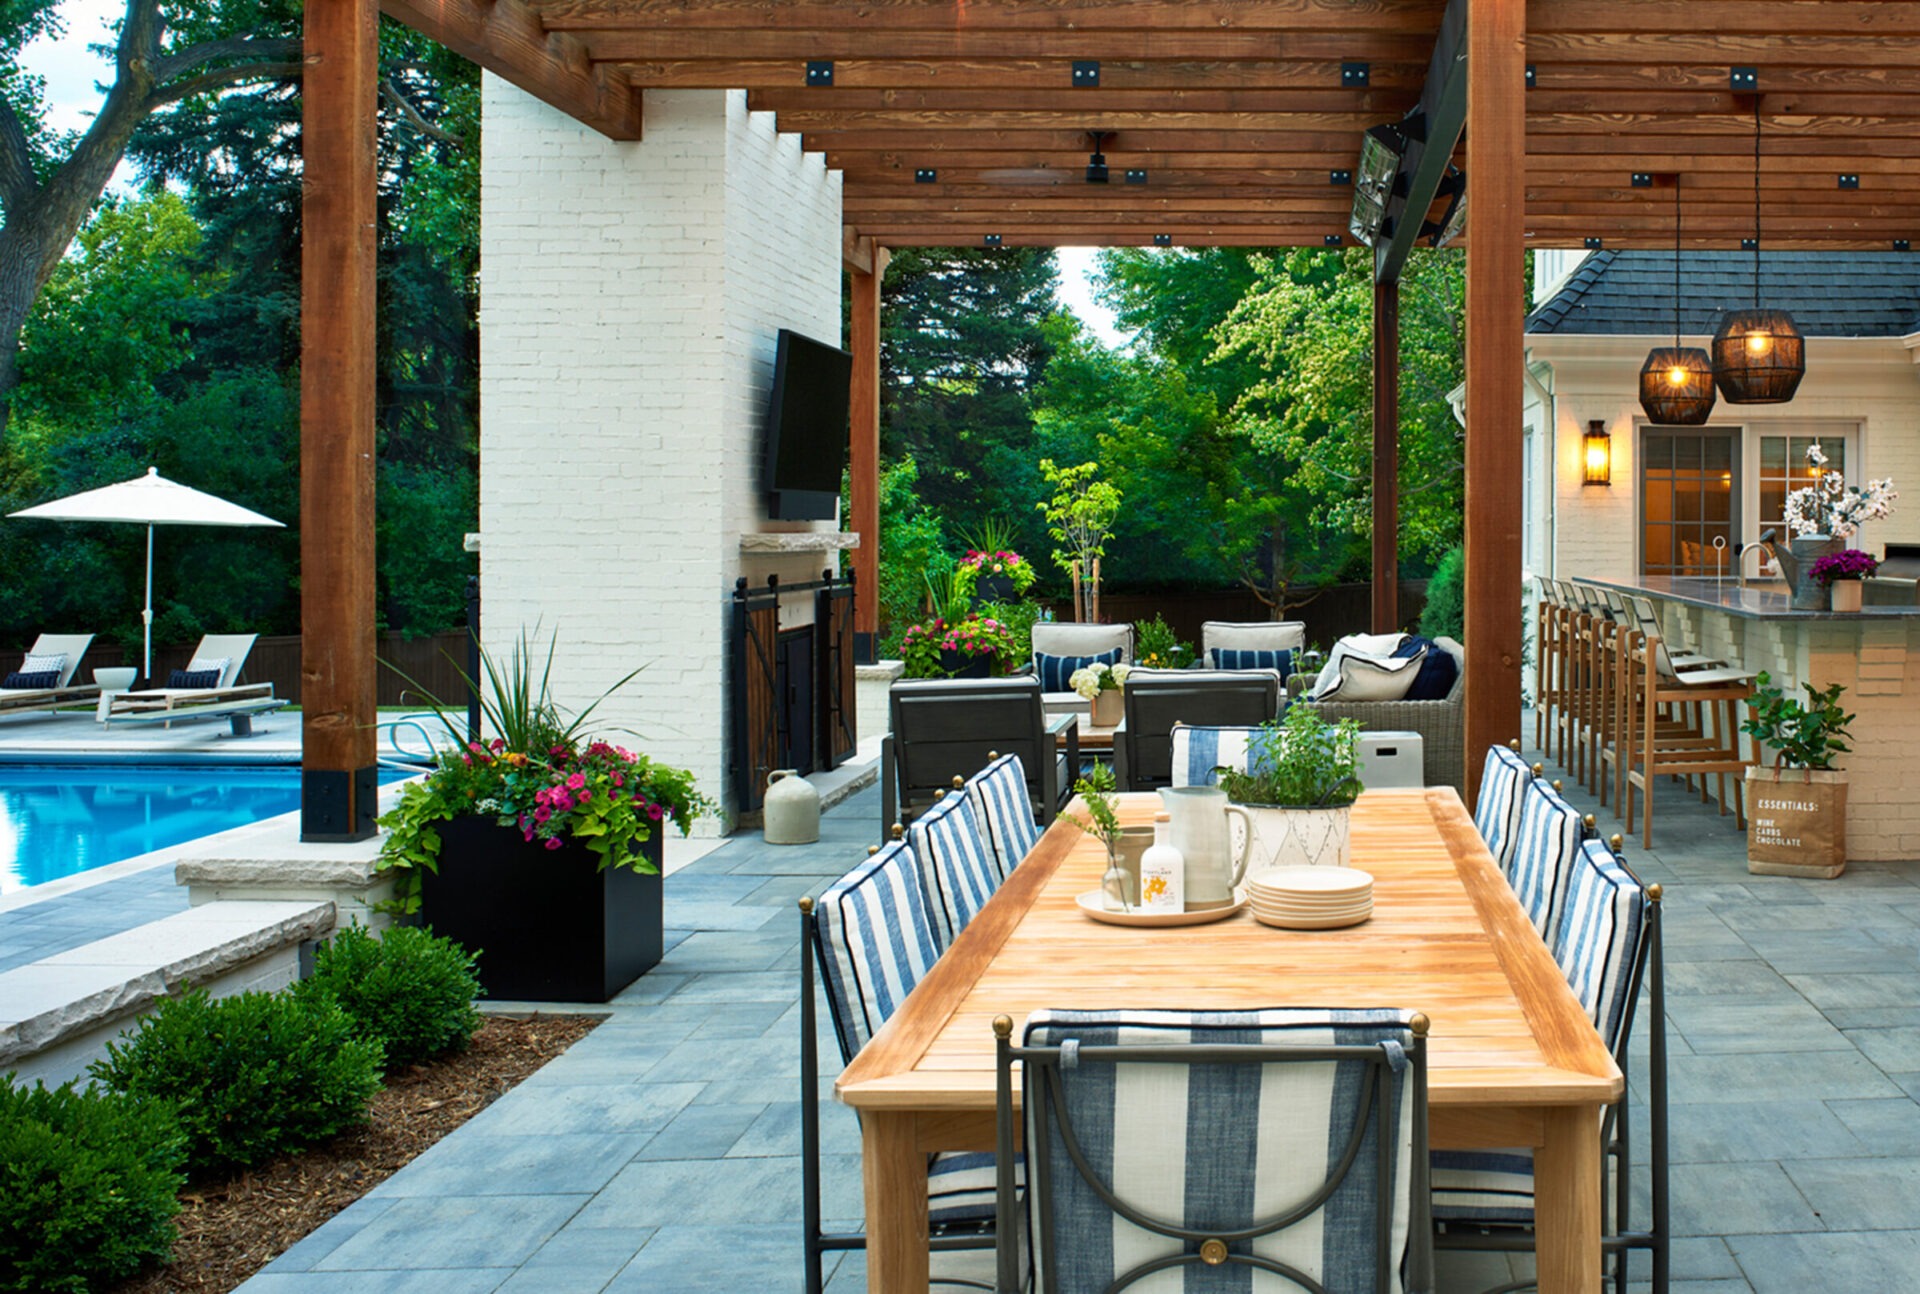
1092 904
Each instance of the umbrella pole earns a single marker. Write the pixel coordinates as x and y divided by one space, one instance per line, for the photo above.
146 617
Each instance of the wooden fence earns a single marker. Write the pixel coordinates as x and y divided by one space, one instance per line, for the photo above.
433 663
1337 610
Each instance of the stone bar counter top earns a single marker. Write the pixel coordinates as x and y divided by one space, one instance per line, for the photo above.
1757 599
1874 653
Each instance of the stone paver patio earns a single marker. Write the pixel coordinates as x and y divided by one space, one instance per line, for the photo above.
661 1153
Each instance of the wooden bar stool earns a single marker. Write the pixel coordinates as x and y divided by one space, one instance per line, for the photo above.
1717 694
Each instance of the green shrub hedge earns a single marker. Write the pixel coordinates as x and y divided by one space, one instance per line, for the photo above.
1445 613
88 1185
408 990
252 1076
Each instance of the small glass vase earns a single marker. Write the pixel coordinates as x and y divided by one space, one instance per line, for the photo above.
1120 886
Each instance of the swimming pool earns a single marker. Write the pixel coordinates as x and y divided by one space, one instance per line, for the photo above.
62 819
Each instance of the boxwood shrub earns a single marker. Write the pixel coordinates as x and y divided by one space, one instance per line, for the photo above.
252 1076
408 989
88 1184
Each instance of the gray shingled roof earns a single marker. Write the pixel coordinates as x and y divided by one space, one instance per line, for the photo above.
1831 294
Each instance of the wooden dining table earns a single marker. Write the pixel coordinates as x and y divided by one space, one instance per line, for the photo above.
1513 1059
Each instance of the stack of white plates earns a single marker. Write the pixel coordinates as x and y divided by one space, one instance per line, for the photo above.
1311 898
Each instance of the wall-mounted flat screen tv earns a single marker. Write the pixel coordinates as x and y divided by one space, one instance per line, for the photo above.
807 428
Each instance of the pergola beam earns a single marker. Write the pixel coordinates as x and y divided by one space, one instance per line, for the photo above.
507 38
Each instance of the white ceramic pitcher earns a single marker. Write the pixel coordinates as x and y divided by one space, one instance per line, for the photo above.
1200 833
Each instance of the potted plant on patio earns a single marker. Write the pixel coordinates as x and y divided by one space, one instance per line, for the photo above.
1102 684
1295 796
540 847
992 571
1819 517
1841 574
1797 807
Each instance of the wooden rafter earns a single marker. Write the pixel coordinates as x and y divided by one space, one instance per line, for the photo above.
507 38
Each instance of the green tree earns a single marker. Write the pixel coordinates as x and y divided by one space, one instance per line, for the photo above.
962 349
1307 321
1080 518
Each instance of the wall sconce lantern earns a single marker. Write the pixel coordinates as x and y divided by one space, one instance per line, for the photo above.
1596 451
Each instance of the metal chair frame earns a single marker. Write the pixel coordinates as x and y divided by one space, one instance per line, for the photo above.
1210 699
1046 1105
1617 1241
1038 738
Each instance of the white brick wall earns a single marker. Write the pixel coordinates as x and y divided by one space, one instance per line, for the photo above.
630 293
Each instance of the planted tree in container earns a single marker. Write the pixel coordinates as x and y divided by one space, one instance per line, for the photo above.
1080 516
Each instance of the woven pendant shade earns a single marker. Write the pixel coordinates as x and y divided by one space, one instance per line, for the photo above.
1676 386
1759 357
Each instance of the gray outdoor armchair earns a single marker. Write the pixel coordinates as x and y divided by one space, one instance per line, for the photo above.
944 729
1157 699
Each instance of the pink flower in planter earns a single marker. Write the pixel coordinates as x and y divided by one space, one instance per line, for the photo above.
560 800
653 811
553 844
619 779
577 781
542 813
586 794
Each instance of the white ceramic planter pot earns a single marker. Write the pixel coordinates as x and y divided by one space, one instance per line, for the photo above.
1846 594
1278 837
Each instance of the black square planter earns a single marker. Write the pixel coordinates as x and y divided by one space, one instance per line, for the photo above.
549 926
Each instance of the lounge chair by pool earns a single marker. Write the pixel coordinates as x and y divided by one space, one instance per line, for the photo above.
68 648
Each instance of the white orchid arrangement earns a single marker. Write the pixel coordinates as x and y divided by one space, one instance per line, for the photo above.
1831 507
1091 680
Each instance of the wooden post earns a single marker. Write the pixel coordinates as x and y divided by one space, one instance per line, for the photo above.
1496 313
338 214
1386 455
863 461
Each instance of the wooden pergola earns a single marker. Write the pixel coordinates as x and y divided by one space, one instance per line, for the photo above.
1222 122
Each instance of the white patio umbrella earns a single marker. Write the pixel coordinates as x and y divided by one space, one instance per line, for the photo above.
150 500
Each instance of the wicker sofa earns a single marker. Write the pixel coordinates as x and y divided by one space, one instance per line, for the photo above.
1441 724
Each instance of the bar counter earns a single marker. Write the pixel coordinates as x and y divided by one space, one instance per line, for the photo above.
1874 653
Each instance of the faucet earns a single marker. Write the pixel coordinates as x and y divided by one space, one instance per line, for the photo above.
1763 546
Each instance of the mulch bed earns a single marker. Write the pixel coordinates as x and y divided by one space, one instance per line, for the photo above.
231 1229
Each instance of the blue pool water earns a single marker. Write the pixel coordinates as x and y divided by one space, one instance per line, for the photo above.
60 819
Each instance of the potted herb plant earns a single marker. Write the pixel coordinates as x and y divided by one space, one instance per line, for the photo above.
1841 573
1101 684
540 847
1295 796
1120 884
1797 806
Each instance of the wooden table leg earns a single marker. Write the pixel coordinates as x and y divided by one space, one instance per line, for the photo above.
1566 1201
894 1172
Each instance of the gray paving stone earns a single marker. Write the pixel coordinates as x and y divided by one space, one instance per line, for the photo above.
1861 1194
701 1192
468 1280
1719 1199
1852 990
1859 1262
340 1228
1819 1075
1740 1132
485 1231
1889 1127
578 1260
1893 1050
703 1132
522 1165
691 1259
1712 1026
558 1109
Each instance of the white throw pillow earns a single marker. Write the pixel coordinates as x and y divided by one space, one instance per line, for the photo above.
51 663
1373 678
1374 646
201 664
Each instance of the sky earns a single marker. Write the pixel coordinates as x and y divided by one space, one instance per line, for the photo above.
72 71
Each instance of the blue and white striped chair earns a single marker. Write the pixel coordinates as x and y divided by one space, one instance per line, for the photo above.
1497 812
1223 1150
1001 806
870 933
1546 842
1197 752
957 871
1607 945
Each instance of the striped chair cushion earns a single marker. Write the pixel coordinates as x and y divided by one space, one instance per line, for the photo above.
957 871
1001 806
1198 751
1247 658
1219 1147
1497 812
1493 1187
1054 671
874 942
1547 840
960 1186
1598 939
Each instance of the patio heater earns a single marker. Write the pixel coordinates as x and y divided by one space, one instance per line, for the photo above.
1676 382
1759 355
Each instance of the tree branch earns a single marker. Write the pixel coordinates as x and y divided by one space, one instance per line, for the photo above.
17 182
410 115
254 50
214 80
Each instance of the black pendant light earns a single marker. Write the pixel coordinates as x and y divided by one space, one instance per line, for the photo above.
1676 382
1759 355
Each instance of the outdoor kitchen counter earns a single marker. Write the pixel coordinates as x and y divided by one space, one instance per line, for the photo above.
1874 653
